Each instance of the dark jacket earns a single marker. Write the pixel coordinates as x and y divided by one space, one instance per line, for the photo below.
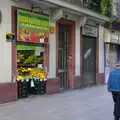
114 80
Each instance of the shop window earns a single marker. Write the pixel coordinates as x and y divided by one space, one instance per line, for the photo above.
28 58
31 75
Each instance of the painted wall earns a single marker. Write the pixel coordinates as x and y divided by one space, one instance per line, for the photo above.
5 47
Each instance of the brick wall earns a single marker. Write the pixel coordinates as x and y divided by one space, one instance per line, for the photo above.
8 92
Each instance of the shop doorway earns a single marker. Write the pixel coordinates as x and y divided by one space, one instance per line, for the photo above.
62 56
89 60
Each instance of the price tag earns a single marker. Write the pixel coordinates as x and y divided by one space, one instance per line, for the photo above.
41 79
32 83
42 40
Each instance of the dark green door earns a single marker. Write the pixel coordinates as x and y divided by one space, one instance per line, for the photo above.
89 60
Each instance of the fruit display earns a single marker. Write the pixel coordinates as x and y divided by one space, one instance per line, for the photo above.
32 72
37 72
31 78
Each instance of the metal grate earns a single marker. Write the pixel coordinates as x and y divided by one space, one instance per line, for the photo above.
62 57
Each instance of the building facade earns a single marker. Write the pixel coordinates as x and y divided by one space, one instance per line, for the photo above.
112 41
74 55
112 50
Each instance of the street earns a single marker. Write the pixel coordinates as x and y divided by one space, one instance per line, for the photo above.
93 103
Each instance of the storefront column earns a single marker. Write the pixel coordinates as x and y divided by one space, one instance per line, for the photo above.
100 72
7 88
52 81
5 26
77 55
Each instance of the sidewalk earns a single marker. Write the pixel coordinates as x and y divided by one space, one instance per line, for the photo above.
87 104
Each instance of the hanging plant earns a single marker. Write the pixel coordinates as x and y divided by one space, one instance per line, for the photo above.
102 6
109 6
106 8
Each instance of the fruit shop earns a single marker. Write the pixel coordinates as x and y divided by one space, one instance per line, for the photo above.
32 37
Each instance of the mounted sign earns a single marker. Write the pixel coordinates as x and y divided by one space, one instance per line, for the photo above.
10 37
114 37
90 31
32 27
111 36
52 29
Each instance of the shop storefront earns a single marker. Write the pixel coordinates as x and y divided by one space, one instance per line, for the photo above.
47 54
32 37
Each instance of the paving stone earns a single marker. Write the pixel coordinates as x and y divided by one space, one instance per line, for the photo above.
93 103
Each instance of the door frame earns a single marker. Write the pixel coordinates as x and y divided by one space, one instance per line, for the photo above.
70 23
63 67
82 55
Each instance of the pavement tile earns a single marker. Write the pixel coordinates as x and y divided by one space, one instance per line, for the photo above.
93 103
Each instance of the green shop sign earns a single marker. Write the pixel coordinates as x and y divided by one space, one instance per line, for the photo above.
28 47
32 27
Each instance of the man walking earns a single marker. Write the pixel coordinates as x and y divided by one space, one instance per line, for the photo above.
114 88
